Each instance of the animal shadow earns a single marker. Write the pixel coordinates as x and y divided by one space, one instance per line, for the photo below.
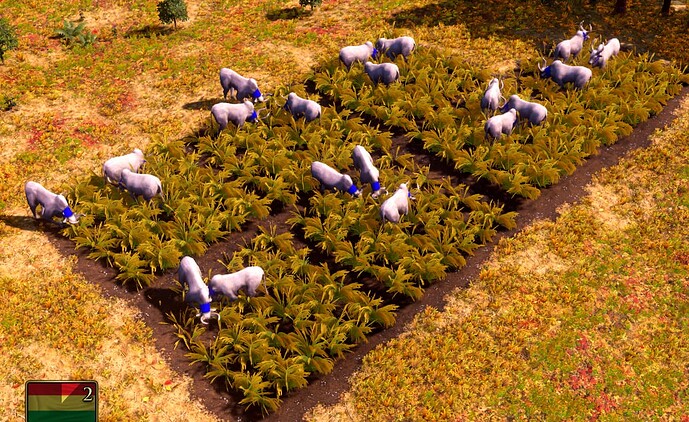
24 222
200 105
287 13
166 300
148 31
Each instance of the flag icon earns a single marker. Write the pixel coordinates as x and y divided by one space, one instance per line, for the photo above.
75 401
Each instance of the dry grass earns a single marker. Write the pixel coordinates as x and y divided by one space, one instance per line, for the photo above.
55 325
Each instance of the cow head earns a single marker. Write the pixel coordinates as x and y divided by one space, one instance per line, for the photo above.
545 71
206 313
69 216
583 32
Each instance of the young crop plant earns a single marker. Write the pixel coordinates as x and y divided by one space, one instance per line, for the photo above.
72 34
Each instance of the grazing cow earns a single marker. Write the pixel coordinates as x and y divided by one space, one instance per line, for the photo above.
52 205
396 46
573 46
114 166
145 185
396 205
242 87
535 113
491 98
298 106
223 113
386 73
561 73
501 123
601 55
189 274
357 53
229 284
332 179
368 172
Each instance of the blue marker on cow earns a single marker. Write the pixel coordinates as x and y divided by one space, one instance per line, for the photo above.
67 212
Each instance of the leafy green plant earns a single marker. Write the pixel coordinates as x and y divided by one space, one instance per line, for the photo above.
8 38
72 34
311 3
7 103
172 11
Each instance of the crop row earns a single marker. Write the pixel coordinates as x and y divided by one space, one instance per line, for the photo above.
437 103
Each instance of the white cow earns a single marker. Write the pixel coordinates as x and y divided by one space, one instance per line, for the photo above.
367 171
52 205
248 279
501 123
357 53
298 106
189 274
146 185
332 179
112 168
396 205
242 87
396 46
224 113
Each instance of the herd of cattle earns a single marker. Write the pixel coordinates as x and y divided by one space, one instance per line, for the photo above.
123 171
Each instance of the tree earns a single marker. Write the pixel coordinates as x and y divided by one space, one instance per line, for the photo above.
172 10
8 38
312 3
665 10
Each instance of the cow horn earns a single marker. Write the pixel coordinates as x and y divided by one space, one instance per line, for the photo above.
590 27
581 26
539 65
502 84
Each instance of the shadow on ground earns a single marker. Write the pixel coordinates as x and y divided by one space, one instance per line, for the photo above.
204 104
148 31
544 23
31 224
288 13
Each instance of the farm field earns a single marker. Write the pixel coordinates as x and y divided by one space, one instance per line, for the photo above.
246 197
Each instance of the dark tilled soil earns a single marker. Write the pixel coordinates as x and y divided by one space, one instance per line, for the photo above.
160 299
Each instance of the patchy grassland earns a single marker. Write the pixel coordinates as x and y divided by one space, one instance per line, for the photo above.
578 318
140 82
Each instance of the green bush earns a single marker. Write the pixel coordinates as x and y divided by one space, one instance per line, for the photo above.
72 34
172 11
8 38
311 3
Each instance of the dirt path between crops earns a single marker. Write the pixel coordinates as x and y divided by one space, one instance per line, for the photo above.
159 299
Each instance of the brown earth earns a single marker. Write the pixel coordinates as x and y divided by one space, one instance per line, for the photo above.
156 301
